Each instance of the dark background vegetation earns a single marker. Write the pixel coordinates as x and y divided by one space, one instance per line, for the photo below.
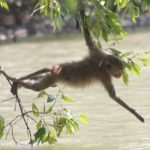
19 22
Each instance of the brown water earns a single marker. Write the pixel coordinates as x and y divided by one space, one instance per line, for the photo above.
110 127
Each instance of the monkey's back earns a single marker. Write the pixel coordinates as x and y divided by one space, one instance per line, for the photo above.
78 74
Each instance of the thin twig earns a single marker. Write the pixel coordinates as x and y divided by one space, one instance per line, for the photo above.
24 113
32 118
15 105
7 99
13 136
7 132
23 116
8 78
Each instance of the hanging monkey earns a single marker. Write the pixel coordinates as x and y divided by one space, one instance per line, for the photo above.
98 66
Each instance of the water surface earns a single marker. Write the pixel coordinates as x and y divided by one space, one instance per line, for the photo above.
110 126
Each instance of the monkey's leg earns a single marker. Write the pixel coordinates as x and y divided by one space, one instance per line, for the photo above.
38 80
38 83
56 69
34 74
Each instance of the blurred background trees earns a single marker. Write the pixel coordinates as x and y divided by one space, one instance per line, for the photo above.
21 21
18 21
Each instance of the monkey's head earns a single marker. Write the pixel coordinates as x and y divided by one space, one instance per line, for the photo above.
114 66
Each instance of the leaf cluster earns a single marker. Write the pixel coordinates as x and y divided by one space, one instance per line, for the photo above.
132 62
50 121
61 119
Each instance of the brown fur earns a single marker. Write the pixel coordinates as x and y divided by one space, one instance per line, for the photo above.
78 74
98 66
88 70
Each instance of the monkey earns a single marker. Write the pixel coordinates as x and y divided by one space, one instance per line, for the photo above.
98 66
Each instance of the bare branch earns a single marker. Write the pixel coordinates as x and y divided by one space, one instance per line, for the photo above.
23 116
8 99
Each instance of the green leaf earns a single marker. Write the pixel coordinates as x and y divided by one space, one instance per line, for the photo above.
135 69
115 51
104 35
120 3
42 94
123 3
126 54
71 5
52 133
2 126
75 124
50 98
134 12
147 52
67 99
44 137
59 124
35 110
50 109
127 65
125 77
3 4
39 125
145 61
40 135
51 138
68 127
116 2
83 118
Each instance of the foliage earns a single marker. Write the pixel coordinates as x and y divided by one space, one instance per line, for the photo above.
2 126
101 20
4 4
61 118
83 118
50 121
132 62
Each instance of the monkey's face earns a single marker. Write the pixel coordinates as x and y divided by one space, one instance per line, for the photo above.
114 66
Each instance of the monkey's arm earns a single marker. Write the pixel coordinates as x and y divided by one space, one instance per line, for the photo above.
111 90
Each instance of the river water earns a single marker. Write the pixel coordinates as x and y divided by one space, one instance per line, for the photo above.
110 126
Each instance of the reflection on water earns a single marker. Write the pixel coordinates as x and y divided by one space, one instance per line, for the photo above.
110 126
